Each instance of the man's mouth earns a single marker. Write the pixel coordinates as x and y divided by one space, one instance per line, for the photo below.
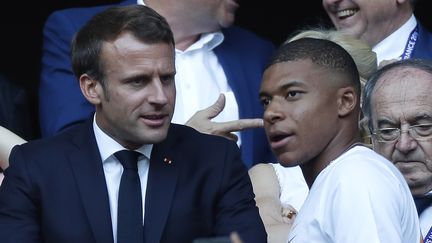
277 138
154 120
346 13
278 141
154 116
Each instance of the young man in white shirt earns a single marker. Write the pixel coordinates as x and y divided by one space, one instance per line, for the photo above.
311 94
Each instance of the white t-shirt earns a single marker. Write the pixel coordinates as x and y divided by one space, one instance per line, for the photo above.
360 197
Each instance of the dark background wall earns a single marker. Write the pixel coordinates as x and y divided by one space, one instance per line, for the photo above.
21 26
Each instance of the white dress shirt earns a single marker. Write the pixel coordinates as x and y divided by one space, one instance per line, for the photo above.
200 79
393 46
113 170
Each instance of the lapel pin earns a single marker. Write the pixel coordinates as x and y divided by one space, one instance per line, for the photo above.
168 161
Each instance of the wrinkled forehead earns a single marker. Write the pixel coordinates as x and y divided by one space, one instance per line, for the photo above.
403 93
403 80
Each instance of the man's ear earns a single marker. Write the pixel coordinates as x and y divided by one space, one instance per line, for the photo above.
347 101
91 89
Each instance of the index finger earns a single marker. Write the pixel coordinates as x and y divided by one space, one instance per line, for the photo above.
240 125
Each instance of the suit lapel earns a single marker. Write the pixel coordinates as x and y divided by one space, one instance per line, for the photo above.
127 2
422 47
161 183
88 170
234 66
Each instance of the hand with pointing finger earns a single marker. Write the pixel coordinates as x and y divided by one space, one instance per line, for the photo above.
202 121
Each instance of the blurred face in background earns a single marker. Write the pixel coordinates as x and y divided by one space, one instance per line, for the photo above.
208 15
370 20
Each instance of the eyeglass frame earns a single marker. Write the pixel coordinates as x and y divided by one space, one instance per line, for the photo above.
410 130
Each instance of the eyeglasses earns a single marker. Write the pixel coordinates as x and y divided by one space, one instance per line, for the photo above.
418 132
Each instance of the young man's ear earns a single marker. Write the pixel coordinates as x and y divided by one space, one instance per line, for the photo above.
347 101
91 89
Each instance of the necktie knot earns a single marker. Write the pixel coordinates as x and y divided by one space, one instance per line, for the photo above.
128 159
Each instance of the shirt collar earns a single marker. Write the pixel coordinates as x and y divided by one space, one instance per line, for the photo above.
207 41
392 47
108 146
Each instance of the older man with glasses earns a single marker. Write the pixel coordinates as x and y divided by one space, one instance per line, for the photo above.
398 105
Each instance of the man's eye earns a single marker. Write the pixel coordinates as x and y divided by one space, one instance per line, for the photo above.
293 94
423 129
167 79
265 101
388 131
136 82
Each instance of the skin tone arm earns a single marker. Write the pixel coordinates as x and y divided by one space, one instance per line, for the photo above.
7 142
277 219
201 121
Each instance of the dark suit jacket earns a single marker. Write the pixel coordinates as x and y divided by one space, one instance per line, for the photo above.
242 55
55 191
423 47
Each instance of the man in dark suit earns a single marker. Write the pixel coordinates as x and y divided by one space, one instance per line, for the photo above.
213 58
70 187
398 107
389 27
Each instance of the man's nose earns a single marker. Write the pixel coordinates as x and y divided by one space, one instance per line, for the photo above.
406 142
157 93
273 112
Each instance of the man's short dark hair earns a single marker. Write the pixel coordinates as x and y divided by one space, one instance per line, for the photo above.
321 52
371 83
142 22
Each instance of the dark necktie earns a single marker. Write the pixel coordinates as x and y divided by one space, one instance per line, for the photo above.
422 203
130 220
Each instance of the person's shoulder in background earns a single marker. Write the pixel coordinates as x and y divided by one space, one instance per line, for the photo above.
61 103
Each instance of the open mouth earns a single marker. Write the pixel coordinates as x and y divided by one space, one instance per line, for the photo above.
277 138
154 120
346 13
154 117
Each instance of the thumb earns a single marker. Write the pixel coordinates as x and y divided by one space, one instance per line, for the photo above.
214 110
235 238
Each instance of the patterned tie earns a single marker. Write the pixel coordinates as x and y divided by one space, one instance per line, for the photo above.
130 221
422 203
